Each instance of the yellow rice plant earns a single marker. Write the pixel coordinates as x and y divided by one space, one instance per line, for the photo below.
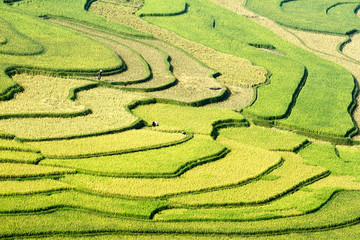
241 164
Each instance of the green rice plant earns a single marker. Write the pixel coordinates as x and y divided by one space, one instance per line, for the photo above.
242 164
164 162
82 55
343 209
108 115
13 145
14 170
309 107
329 16
292 175
275 139
71 199
8 188
300 202
350 159
106 144
197 120
19 156
341 161
17 43
160 8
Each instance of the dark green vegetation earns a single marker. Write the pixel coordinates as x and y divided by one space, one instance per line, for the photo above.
80 157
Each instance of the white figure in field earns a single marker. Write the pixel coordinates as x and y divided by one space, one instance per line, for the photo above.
99 74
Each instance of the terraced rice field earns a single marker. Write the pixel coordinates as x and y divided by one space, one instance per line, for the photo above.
211 120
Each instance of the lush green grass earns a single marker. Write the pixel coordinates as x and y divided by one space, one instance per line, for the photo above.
31 187
18 156
111 143
70 51
233 33
331 16
291 175
341 163
17 43
344 209
254 135
74 10
192 119
240 165
13 170
108 205
167 161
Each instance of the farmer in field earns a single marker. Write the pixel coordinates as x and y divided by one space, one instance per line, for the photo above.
99 74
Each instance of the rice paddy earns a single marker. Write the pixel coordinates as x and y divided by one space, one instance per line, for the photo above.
207 121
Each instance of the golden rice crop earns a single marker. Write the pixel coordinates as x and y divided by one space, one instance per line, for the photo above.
14 170
169 160
104 144
17 156
42 94
241 164
108 113
30 186
15 145
292 173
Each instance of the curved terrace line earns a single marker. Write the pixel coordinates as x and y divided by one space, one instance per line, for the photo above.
342 3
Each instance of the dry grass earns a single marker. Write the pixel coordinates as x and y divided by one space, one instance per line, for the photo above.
108 113
352 49
42 94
